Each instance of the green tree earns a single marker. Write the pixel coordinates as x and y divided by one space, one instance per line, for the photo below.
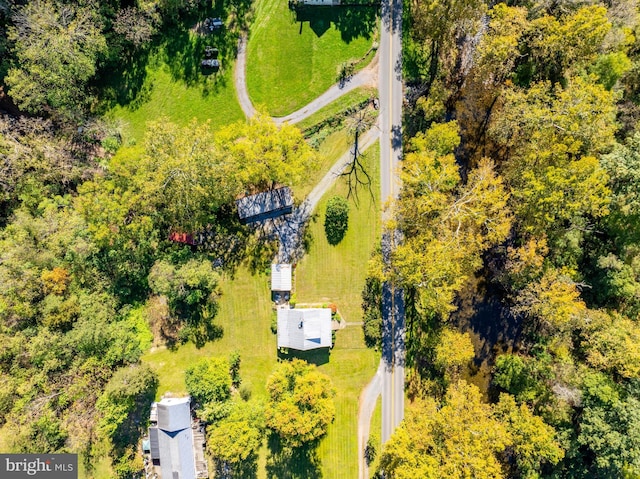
125 404
191 291
608 430
553 301
551 136
258 154
447 225
57 46
561 46
453 352
336 221
36 163
300 406
612 344
234 441
209 381
534 442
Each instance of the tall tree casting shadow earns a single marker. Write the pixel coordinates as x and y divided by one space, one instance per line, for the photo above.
292 463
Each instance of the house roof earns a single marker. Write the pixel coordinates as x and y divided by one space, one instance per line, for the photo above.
174 414
304 329
280 277
267 204
177 458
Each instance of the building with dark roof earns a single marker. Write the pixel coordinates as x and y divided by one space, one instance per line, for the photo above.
265 205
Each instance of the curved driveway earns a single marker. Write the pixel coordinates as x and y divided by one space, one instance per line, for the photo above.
368 76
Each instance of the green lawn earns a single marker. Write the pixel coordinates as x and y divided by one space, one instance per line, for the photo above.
245 316
337 274
167 81
289 62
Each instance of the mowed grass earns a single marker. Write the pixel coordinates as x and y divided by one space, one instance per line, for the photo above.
245 316
167 81
343 103
289 63
337 274
179 103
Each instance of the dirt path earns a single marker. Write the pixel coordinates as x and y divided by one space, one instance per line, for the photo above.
240 79
368 76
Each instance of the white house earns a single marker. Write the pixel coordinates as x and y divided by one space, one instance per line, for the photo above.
171 439
304 329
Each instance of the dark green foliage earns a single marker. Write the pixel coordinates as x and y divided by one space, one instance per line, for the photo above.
191 291
125 405
372 309
234 369
336 221
209 381
609 429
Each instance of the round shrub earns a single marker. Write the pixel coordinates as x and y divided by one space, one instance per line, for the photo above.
336 220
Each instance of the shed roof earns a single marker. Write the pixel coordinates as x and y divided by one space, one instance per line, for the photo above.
304 329
280 277
267 204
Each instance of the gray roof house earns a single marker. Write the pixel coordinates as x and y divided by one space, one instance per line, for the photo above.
304 329
171 439
265 205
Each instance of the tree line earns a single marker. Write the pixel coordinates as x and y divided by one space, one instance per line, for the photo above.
519 171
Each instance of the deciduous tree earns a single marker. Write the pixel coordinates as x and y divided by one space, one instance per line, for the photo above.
57 47
300 406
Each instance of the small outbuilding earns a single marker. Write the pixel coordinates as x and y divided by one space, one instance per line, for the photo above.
265 205
304 329
281 278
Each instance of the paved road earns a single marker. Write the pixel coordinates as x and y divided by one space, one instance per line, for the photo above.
389 379
368 76
390 89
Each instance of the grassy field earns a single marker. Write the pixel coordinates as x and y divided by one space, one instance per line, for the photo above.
337 274
290 60
179 102
166 81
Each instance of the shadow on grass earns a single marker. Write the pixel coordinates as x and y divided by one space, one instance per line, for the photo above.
352 21
247 469
318 356
179 45
292 463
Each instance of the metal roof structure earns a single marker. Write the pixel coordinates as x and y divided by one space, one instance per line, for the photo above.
304 329
281 277
171 439
265 205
